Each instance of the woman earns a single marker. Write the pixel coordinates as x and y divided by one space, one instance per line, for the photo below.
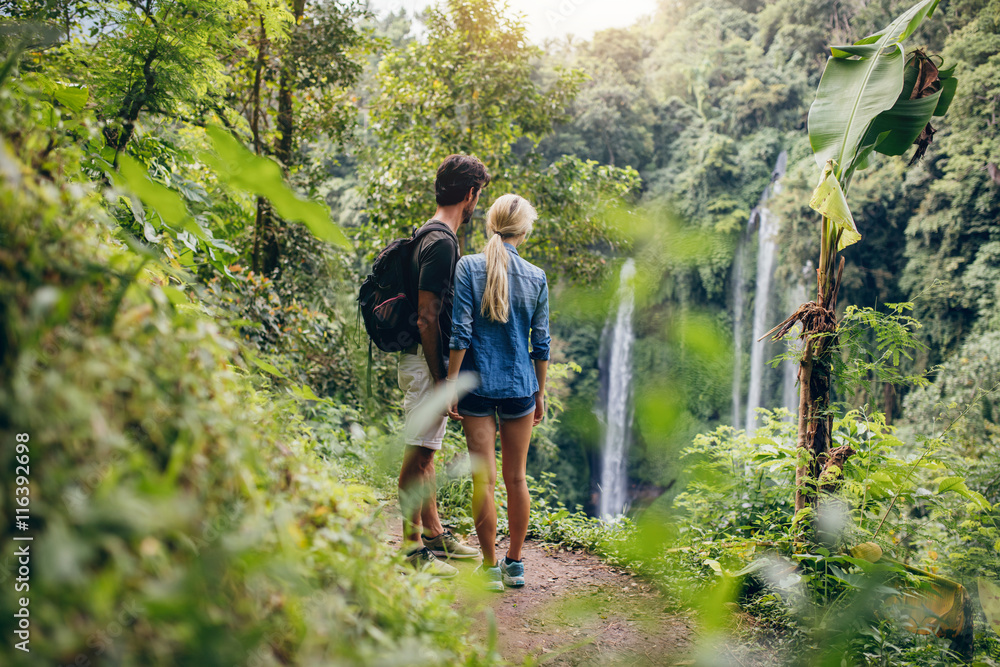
501 301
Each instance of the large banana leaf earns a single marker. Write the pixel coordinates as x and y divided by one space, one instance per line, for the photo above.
895 130
860 81
903 124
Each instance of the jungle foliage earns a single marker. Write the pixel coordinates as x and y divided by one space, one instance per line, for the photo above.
191 190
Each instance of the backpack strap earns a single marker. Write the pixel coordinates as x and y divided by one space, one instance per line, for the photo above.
428 227
424 230
369 368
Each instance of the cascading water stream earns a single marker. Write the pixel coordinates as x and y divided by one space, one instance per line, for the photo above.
767 250
739 303
618 401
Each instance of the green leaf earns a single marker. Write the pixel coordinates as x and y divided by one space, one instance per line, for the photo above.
848 50
167 203
863 159
176 296
305 392
71 97
261 176
852 92
903 122
829 200
946 484
958 485
905 24
896 129
265 366
948 87
989 599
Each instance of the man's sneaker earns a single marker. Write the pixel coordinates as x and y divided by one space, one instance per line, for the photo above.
446 546
425 561
491 577
512 572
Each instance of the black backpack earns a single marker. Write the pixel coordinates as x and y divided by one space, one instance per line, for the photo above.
384 303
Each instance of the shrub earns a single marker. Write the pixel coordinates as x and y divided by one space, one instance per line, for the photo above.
179 510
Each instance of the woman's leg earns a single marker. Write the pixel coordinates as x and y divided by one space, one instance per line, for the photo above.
481 437
515 436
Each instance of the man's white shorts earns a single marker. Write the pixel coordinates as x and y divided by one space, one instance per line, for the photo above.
417 384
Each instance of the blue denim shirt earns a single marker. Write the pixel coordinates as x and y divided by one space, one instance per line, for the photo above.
498 351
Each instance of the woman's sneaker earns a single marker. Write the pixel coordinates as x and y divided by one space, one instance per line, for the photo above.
446 546
491 577
512 573
423 560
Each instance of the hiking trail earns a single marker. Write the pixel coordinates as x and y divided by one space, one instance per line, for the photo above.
574 610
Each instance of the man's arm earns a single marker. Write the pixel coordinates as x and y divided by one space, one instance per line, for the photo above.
437 269
428 309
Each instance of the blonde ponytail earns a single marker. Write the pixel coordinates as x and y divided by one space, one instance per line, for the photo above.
510 217
496 296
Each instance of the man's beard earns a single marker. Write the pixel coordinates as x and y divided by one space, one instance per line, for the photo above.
468 211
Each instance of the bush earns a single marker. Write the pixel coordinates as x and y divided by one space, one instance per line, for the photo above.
180 511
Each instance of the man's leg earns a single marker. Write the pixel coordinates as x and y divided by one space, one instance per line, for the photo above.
417 485
413 489
417 504
418 489
429 510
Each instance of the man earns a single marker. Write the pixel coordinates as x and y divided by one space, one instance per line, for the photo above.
422 368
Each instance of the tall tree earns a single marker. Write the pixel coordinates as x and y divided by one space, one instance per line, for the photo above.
471 88
319 62
155 55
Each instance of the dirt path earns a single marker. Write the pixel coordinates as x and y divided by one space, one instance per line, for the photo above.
574 610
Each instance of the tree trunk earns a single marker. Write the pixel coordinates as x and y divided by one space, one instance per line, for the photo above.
286 88
815 420
258 76
119 135
819 322
888 401
265 257
267 240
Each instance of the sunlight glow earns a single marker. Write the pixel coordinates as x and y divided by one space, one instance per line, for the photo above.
554 19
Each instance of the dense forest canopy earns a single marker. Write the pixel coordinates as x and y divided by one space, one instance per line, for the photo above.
192 191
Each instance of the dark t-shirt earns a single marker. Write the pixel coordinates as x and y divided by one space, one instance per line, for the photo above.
432 268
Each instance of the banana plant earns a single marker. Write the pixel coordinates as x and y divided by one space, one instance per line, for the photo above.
872 98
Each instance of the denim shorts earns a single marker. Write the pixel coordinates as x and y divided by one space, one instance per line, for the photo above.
506 409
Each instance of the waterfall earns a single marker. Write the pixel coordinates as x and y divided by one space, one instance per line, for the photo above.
739 304
767 249
617 402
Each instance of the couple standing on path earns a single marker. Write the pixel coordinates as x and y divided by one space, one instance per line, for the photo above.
480 311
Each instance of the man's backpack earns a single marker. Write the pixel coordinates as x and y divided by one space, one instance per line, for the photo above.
384 303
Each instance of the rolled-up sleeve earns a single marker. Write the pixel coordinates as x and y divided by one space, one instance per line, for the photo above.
461 312
540 325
